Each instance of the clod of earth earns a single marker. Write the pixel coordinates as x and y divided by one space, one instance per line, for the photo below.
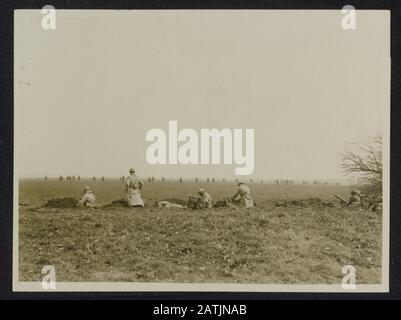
24 203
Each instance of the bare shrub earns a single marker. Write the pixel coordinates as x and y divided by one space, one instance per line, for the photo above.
364 161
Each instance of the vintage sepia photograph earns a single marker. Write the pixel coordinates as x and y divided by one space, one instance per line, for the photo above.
201 150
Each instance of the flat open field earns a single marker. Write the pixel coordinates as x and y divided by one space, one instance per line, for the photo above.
269 244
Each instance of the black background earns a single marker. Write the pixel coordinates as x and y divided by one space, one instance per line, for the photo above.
6 155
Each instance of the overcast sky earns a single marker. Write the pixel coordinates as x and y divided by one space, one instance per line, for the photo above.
87 92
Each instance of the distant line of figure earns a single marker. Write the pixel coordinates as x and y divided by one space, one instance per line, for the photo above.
208 180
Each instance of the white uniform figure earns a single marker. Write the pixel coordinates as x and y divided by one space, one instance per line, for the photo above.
244 195
88 199
133 188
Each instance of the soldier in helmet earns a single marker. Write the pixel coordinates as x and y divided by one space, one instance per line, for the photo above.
202 200
243 196
355 199
88 199
133 188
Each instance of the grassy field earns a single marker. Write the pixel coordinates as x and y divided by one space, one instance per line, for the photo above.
268 244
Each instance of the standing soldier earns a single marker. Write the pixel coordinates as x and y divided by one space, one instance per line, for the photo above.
133 188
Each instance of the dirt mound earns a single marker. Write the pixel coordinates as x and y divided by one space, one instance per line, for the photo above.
309 202
62 203
117 204
120 203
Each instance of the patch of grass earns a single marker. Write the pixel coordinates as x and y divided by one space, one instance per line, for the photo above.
266 245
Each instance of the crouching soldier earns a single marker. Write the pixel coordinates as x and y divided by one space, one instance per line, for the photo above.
200 201
355 200
88 199
376 204
133 188
243 196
